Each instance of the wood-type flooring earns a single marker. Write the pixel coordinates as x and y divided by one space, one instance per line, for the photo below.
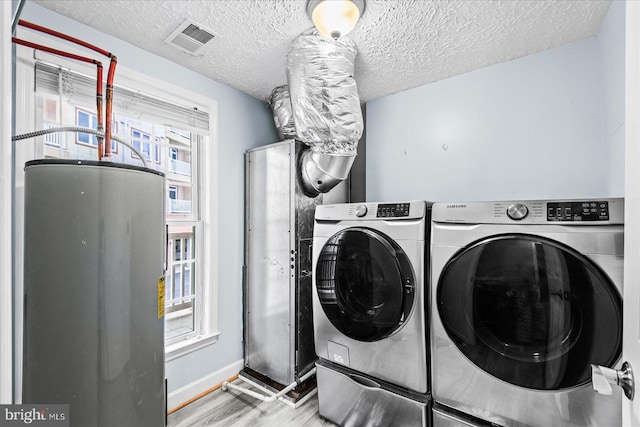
233 409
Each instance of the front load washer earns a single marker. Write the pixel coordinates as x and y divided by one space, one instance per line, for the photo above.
370 289
526 295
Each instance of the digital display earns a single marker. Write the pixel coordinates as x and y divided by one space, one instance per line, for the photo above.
578 211
393 210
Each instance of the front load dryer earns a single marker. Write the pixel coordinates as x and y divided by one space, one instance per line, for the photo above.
526 296
369 296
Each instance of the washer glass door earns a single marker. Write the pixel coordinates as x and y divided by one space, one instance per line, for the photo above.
365 283
530 311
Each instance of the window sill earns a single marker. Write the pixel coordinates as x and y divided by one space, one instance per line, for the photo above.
187 346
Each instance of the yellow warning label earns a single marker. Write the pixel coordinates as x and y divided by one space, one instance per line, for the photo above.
160 297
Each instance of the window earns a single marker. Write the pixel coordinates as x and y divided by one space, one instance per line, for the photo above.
161 122
50 118
173 192
158 150
180 281
142 142
89 120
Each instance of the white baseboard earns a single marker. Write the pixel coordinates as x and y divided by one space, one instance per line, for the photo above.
188 392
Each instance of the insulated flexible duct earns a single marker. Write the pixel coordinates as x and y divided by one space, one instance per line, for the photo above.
282 115
326 108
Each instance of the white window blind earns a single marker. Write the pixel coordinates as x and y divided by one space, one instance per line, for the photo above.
81 89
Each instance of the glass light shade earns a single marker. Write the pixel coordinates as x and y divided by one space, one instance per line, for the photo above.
334 18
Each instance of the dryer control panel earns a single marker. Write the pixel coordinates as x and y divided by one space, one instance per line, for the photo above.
569 212
578 211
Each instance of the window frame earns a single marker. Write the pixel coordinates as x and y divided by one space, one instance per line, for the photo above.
207 268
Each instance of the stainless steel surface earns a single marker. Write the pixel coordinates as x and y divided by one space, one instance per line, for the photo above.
400 358
458 383
279 229
603 378
94 251
353 400
443 418
321 172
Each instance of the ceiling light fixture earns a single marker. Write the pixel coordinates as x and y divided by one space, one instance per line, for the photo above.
335 18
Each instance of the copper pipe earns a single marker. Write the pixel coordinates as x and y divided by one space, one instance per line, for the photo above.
55 51
108 114
99 108
78 58
112 68
62 36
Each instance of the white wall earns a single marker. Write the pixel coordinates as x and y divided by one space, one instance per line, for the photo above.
243 122
524 129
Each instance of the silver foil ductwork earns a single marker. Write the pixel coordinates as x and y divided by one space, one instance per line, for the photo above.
325 107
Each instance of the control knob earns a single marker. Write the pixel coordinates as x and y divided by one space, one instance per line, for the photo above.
517 211
361 211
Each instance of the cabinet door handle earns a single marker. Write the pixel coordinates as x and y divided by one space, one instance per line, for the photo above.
363 381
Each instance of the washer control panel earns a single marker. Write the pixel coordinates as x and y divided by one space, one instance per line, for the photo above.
578 211
392 210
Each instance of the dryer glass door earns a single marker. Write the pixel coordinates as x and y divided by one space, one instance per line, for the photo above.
365 283
530 311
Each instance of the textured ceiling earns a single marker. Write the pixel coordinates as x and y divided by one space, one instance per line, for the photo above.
402 43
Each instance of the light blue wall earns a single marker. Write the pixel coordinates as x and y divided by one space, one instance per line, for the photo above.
243 122
610 43
524 129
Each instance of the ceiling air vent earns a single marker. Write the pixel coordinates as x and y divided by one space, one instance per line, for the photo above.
190 37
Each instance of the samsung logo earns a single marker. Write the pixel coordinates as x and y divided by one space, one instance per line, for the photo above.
456 206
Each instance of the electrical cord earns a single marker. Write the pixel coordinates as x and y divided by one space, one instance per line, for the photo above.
78 130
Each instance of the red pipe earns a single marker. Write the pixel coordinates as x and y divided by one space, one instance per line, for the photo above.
99 106
108 130
55 51
110 75
63 36
78 58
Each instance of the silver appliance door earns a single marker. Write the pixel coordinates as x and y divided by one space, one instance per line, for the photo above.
530 311
364 283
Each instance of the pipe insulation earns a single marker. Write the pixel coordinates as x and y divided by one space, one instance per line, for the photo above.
326 107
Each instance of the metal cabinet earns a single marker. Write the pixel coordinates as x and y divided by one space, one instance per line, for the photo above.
278 279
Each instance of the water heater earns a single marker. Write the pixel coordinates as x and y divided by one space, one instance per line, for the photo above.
94 291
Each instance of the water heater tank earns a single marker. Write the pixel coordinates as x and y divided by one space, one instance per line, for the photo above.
94 291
